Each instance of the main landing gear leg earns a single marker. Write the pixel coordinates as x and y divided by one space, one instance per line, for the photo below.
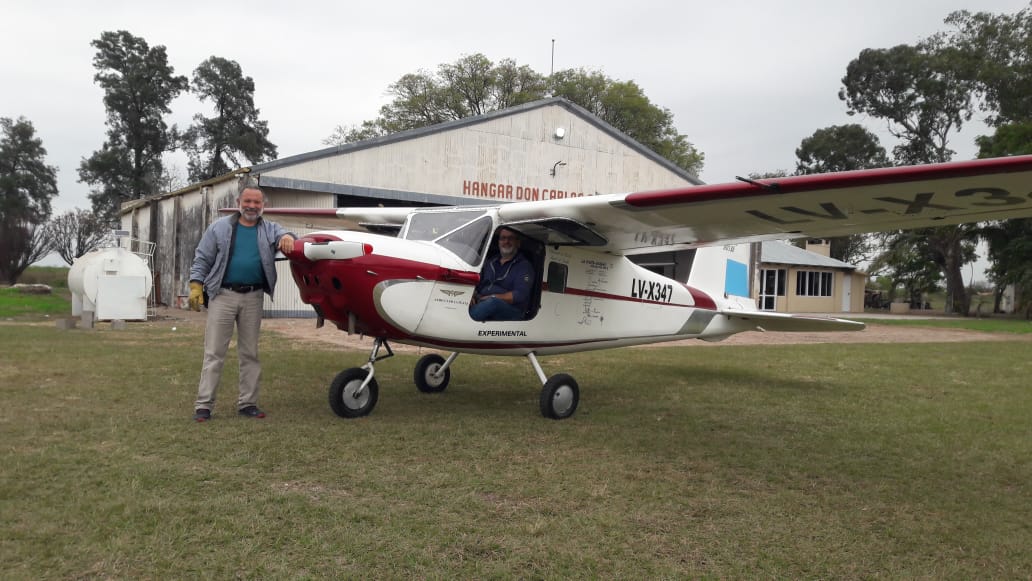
354 392
559 393
432 372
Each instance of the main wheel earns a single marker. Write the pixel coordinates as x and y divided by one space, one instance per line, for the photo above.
559 397
343 400
424 376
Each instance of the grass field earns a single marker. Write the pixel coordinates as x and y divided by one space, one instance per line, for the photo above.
16 305
818 461
990 325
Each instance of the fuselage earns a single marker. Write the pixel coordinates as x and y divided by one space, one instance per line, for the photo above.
418 292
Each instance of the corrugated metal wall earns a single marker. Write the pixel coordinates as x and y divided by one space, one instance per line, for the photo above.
174 223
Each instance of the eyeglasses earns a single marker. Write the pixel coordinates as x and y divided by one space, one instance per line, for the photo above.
507 237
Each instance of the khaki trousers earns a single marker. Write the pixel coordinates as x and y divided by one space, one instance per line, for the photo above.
227 310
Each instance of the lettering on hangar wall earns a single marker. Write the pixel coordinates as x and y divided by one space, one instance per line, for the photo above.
503 191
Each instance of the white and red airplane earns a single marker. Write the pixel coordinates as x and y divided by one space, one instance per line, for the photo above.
408 274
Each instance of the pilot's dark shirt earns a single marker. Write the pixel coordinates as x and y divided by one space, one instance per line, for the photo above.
515 275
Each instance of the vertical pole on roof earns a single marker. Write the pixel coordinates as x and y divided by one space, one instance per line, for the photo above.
552 71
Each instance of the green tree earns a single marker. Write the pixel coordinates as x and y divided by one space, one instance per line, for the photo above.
27 185
1010 139
516 84
995 52
918 90
906 261
1009 241
473 85
235 132
1010 256
468 86
138 87
842 148
924 97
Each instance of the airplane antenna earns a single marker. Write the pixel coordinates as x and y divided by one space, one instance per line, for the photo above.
772 187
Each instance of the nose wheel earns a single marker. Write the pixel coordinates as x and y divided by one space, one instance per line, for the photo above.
354 392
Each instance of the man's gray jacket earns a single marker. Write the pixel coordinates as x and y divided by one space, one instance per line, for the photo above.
216 246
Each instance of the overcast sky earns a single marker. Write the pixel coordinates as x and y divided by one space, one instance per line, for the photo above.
746 81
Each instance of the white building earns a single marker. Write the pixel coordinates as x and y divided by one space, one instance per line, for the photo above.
796 280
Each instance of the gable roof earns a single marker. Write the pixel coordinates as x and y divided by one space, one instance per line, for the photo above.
775 252
470 121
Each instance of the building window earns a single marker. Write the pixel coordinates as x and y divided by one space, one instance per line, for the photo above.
811 283
772 286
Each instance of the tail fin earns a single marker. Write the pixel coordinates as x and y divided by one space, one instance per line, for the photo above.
724 270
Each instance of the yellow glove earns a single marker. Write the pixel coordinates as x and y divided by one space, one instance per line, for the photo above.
196 295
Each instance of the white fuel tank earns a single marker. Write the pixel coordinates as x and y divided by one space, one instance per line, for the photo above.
113 283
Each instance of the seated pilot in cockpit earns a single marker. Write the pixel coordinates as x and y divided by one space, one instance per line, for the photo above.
505 283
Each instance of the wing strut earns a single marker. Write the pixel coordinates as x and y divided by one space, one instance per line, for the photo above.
772 187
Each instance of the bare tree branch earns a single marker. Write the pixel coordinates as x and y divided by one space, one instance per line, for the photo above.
77 232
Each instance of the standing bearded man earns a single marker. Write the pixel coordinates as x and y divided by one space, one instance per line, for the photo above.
235 265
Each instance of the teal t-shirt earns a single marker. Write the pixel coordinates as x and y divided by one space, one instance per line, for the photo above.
245 266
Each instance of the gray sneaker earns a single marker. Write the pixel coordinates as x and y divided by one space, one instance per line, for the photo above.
251 411
201 415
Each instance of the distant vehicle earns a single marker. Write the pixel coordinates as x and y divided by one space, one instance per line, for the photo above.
876 300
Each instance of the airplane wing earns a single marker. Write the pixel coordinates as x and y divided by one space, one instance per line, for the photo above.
812 206
378 220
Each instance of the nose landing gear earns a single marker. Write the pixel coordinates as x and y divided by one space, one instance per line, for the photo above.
354 392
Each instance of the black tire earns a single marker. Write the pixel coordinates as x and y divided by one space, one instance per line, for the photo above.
559 397
342 394
424 374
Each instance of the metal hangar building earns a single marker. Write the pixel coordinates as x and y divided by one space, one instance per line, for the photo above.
537 151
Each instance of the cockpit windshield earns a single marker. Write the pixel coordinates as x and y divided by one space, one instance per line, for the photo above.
469 241
431 225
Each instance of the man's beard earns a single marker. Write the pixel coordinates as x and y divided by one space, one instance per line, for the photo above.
251 214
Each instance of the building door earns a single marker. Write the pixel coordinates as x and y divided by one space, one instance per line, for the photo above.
772 285
847 294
